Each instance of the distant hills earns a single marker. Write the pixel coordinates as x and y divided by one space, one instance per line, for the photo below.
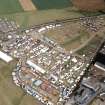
90 5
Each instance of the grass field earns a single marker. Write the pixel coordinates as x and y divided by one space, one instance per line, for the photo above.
26 19
70 36
76 42
51 4
10 94
91 47
11 9
10 6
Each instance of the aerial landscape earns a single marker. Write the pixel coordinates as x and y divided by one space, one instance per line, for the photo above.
52 52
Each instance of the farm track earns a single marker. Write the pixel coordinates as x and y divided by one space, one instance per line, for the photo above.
27 5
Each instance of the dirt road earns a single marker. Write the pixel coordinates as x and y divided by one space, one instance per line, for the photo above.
27 5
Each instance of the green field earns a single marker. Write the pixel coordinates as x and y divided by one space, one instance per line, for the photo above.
10 94
51 4
12 10
26 19
91 47
10 6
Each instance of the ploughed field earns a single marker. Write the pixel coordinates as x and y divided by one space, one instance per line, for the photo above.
90 5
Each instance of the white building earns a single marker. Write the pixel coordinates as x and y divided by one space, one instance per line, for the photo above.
37 68
5 57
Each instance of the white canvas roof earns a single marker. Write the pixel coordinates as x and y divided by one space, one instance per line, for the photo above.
5 57
100 66
35 66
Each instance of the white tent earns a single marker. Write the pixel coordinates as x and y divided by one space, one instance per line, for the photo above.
5 57
37 68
